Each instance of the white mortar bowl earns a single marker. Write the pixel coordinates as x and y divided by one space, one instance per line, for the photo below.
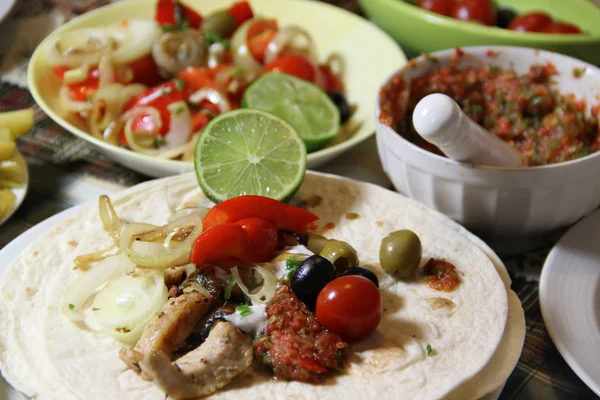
499 202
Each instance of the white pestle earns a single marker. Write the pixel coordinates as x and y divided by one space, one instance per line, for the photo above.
440 121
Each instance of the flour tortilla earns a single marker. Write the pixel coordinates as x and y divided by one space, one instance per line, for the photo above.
45 355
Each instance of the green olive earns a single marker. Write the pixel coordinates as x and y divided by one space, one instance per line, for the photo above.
340 254
316 242
400 252
221 22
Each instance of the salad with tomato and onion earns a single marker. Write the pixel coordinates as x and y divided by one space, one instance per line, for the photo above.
152 85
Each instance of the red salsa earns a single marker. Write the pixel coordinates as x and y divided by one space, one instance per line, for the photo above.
441 275
294 344
526 111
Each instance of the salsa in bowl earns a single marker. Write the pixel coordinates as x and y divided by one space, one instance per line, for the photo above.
557 188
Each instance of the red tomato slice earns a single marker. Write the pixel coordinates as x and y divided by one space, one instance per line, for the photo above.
197 77
199 121
281 215
160 97
292 64
80 91
349 306
241 11
193 18
333 83
145 71
221 242
166 15
258 37
263 238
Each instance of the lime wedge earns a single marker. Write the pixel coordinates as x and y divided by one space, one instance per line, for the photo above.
303 105
249 152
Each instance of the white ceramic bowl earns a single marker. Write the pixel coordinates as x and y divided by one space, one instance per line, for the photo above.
498 201
369 56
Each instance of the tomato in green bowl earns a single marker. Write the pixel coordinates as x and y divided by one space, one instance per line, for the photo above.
419 31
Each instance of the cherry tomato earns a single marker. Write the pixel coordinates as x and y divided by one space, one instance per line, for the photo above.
292 64
283 216
258 37
443 7
263 238
531 22
559 27
160 97
475 11
241 11
349 306
221 242
333 83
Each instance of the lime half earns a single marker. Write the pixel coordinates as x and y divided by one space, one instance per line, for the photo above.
249 152
303 105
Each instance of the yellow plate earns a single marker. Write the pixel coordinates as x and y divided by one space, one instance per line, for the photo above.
369 55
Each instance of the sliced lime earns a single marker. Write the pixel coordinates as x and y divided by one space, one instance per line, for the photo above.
303 105
249 152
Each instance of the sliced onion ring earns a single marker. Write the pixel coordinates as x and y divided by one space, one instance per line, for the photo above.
267 290
241 54
285 38
109 218
72 105
212 95
78 47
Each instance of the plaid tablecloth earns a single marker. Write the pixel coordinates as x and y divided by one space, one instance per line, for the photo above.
65 171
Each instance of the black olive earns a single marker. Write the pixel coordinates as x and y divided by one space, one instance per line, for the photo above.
364 272
504 17
342 104
311 276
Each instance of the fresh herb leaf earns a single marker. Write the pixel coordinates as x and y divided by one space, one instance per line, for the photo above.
71 306
476 109
552 144
213 37
244 310
429 350
179 84
179 111
494 69
159 141
291 265
174 28
229 288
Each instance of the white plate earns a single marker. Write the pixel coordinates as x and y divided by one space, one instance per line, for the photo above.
570 298
11 251
369 56
19 193
5 7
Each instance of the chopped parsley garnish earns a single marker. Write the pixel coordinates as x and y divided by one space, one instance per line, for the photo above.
253 282
490 122
179 84
229 288
213 37
244 310
429 350
159 141
71 306
495 69
180 110
476 109
164 91
174 28
552 144
578 72
291 265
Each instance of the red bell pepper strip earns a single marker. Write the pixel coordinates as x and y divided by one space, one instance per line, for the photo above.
172 13
262 237
241 11
283 216
222 241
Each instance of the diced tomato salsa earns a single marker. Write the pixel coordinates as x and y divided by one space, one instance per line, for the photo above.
294 344
526 111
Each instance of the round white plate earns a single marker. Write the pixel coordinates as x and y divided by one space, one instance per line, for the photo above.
5 7
20 194
11 251
369 56
570 298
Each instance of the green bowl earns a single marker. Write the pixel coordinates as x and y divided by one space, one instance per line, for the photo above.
419 31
